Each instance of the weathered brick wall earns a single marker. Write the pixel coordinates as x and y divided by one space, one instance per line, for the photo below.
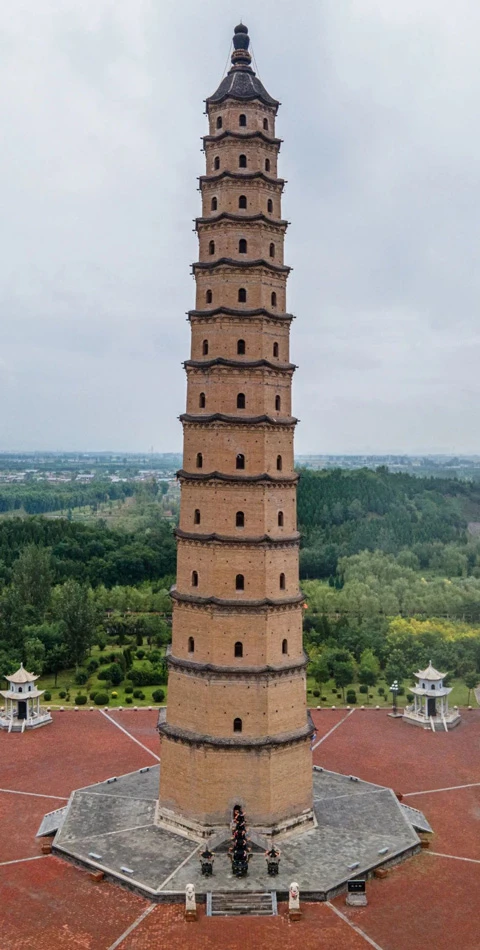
215 631
222 335
270 786
255 113
220 444
218 504
217 566
226 281
226 236
209 705
227 191
221 387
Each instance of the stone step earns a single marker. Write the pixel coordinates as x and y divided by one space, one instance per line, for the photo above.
262 904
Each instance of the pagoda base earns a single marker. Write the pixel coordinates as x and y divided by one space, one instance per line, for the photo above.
196 831
113 827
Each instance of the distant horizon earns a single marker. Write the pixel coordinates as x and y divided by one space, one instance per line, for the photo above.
312 454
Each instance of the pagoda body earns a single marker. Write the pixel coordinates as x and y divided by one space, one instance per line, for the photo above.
430 705
22 703
237 730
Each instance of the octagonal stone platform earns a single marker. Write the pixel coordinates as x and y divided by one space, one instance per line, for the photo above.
111 827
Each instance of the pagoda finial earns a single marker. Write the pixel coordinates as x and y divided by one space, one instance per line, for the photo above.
241 42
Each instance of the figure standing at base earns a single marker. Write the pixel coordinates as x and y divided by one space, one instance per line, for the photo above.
207 858
273 860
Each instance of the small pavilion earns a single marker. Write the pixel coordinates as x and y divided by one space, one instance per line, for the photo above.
22 707
430 705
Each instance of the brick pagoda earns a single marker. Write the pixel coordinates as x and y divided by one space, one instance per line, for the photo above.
237 730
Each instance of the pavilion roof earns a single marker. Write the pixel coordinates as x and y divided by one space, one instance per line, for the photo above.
22 676
430 673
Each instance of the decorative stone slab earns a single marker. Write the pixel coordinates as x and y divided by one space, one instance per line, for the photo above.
416 818
52 822
356 900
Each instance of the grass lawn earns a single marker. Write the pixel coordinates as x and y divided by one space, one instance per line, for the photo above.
458 696
66 682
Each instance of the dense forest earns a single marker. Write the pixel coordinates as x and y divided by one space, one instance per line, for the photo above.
341 513
390 568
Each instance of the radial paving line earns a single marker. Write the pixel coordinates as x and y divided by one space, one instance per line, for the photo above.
453 857
332 730
354 927
36 857
129 734
187 859
451 788
132 927
121 831
14 791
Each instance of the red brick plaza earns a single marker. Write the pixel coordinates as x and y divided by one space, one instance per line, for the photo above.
46 903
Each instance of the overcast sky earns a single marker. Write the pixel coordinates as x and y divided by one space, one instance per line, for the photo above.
102 112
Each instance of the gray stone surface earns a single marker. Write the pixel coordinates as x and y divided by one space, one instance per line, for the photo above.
416 818
359 826
51 822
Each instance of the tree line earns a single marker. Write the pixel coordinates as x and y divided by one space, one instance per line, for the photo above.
38 498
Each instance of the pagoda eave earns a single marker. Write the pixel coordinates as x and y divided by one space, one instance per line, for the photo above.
240 314
240 265
264 539
261 742
265 477
232 134
239 176
231 216
213 670
243 604
221 361
234 421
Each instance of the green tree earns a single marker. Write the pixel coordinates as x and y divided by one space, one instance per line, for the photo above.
369 668
74 607
471 681
32 577
56 659
320 671
396 668
343 674
34 651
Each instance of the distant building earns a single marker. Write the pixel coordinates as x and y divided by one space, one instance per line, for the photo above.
430 705
22 710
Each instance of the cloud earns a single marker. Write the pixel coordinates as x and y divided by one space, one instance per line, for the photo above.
103 106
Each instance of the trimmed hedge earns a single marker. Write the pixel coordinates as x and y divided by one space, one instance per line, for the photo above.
158 695
155 677
101 699
80 700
